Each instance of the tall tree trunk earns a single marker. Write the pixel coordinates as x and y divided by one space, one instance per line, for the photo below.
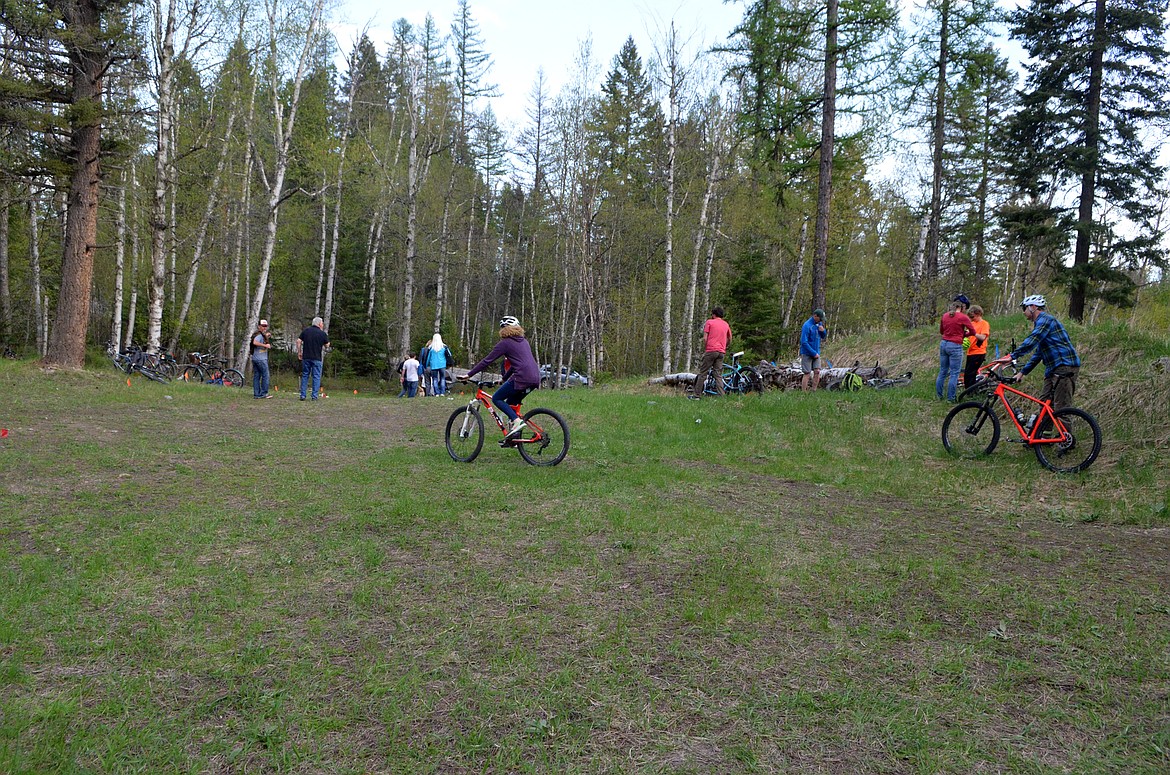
135 253
5 292
1080 281
88 59
328 316
324 249
938 143
119 261
825 176
160 222
413 183
34 255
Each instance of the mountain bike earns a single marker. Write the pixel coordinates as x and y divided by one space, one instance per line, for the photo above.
543 442
884 383
210 369
132 360
737 378
1065 440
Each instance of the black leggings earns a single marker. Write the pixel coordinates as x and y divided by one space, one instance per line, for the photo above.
973 364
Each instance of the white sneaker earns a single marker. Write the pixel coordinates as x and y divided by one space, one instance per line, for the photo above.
517 425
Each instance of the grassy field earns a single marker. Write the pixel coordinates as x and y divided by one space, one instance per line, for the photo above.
193 581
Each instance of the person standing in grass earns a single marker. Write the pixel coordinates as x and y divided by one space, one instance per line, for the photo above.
410 368
717 337
953 326
812 333
261 344
521 379
1052 345
310 352
977 352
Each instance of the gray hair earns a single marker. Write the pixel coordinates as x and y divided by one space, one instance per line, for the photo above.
319 322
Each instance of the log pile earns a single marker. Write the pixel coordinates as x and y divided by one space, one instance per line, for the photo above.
782 376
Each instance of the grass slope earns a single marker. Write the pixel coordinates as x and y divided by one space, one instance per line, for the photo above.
193 581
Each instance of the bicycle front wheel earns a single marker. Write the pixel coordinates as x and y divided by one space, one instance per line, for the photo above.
192 373
970 430
552 434
1078 450
464 435
233 378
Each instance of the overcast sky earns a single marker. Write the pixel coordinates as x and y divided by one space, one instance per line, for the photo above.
523 35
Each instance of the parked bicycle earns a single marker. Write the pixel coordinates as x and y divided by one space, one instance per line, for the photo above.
543 442
884 383
737 378
1065 440
211 370
134 360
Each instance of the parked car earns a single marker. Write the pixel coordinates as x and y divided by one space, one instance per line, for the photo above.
569 378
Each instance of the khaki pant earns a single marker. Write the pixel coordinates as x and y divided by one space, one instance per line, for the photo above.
1059 387
713 362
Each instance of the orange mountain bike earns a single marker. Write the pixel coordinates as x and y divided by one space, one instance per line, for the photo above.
543 442
1065 440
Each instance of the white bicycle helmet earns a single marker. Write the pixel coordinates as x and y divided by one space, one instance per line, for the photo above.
508 320
1035 300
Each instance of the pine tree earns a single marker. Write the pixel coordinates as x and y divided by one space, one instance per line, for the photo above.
1097 82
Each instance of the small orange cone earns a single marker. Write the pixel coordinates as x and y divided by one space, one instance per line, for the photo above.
127 382
276 388
355 392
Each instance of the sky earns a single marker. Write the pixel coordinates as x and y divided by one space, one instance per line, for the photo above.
524 35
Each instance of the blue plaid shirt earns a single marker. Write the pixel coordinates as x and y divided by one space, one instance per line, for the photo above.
1052 346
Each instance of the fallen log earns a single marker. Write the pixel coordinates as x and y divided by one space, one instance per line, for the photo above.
681 379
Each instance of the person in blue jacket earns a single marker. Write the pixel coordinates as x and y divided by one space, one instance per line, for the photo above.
435 358
521 379
811 334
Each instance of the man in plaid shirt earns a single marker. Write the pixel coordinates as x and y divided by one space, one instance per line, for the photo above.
1052 345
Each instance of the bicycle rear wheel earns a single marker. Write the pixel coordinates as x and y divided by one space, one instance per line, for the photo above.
1079 450
554 438
752 380
970 430
464 435
233 378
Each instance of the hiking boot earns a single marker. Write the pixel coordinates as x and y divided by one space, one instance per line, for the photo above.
517 425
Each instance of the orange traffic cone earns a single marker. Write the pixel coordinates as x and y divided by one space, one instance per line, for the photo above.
127 382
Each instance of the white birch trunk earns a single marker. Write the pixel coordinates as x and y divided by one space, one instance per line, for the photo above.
34 255
119 261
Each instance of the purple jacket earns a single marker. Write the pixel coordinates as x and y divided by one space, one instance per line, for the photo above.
525 372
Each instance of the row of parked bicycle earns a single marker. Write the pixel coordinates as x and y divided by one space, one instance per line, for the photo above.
201 368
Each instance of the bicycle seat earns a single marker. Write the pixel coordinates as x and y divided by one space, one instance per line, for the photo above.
736 355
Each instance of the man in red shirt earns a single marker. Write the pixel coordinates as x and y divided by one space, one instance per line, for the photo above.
718 337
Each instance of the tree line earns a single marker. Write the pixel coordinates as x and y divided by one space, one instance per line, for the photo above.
172 171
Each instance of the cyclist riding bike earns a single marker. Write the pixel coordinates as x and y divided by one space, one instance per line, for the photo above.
1052 346
521 379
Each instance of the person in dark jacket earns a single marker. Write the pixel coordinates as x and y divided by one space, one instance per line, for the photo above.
521 379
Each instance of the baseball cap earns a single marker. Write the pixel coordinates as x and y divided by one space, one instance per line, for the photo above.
263 322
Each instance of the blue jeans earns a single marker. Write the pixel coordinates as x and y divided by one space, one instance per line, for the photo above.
311 368
950 358
259 378
438 382
508 394
411 388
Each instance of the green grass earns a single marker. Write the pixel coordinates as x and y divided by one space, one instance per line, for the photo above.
193 581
